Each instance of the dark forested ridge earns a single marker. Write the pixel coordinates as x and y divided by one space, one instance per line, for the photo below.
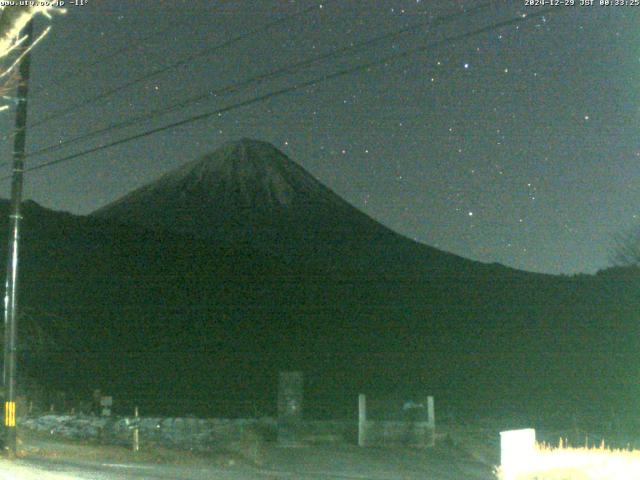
182 320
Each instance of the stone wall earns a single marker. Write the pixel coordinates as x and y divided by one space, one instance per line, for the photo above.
185 433
210 434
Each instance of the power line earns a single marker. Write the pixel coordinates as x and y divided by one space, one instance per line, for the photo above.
258 78
292 88
160 71
276 93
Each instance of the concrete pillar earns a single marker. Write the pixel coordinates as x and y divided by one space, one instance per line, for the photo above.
431 412
290 396
362 420
420 423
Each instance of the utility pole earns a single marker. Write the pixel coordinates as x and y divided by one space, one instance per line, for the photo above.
11 295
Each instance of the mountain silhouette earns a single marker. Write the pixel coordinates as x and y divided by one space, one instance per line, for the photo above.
249 193
245 187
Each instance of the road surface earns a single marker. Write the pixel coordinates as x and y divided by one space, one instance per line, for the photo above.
306 463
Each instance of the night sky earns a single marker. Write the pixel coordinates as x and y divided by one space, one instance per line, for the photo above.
518 145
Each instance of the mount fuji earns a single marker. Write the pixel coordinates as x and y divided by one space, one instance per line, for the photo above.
189 294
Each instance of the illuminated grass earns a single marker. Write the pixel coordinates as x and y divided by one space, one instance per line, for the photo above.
568 463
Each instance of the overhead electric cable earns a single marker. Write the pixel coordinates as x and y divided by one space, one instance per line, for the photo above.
276 93
160 71
258 78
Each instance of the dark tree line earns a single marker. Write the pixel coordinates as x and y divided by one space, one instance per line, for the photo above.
626 249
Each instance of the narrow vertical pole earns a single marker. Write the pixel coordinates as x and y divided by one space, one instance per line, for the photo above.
431 420
362 420
431 413
136 433
11 296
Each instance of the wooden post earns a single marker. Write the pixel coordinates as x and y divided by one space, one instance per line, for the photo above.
136 433
362 420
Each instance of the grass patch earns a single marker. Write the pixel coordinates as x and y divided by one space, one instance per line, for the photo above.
584 463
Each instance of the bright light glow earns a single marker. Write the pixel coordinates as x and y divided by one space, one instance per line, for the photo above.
517 451
595 463
10 37
12 21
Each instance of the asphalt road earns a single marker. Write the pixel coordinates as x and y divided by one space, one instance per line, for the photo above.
53 469
308 463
